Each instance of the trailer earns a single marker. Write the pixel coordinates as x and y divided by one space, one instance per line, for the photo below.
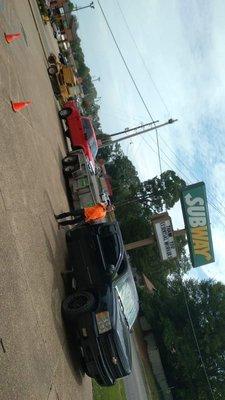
62 78
80 181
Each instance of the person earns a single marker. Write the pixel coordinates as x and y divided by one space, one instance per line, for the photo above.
86 214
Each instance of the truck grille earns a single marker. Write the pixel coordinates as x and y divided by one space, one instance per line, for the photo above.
109 351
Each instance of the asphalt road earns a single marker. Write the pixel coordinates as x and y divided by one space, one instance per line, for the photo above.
134 383
34 358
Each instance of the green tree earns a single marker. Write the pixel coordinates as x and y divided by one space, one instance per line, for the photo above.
105 152
168 313
71 6
135 203
163 191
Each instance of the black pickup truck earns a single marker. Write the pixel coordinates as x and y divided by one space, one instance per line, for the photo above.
103 303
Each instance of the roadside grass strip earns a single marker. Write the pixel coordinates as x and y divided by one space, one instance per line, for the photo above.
116 392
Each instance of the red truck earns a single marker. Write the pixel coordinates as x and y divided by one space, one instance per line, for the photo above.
80 131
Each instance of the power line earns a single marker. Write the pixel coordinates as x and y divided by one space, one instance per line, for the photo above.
142 58
156 88
189 169
196 339
140 95
184 177
132 79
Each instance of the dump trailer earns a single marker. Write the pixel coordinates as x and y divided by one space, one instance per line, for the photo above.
62 77
80 180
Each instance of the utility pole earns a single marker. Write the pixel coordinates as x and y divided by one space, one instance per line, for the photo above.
133 129
94 79
110 142
91 5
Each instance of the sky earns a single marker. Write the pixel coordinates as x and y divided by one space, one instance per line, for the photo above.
175 51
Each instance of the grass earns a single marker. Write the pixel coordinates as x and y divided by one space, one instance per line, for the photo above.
116 392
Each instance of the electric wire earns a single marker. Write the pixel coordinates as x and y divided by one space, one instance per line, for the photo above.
179 160
143 101
211 203
137 89
142 58
160 165
156 88
190 170
196 340
133 81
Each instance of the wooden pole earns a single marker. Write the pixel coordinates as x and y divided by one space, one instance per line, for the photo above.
150 240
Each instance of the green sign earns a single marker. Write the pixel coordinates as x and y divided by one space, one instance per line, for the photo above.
197 224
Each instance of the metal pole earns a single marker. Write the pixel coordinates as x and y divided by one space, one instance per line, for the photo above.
109 142
81 8
96 79
150 240
91 5
133 129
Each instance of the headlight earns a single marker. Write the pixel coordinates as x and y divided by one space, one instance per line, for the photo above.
103 322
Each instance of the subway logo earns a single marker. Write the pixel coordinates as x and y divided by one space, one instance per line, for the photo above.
197 224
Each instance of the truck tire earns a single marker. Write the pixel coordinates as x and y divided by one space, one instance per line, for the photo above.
52 59
68 170
64 113
76 304
68 160
52 70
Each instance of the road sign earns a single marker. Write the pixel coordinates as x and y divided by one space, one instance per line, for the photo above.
197 224
164 235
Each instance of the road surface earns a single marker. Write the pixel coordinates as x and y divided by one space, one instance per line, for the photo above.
134 383
34 358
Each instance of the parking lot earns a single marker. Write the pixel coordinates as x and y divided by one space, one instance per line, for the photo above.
34 358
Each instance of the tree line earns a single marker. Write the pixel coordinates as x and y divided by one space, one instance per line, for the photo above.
183 313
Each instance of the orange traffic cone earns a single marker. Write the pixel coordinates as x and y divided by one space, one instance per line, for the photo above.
20 105
10 37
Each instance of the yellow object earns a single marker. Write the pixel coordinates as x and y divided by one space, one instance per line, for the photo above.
64 93
45 18
68 75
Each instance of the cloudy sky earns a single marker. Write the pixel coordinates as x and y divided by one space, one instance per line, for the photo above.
175 51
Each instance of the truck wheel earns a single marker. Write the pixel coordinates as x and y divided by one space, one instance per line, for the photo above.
77 304
68 170
68 161
52 70
64 113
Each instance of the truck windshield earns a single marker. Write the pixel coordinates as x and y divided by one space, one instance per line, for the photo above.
126 289
93 146
87 128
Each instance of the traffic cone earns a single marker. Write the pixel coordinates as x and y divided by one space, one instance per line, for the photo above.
10 37
20 105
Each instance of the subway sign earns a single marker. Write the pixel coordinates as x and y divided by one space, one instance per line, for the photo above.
197 224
